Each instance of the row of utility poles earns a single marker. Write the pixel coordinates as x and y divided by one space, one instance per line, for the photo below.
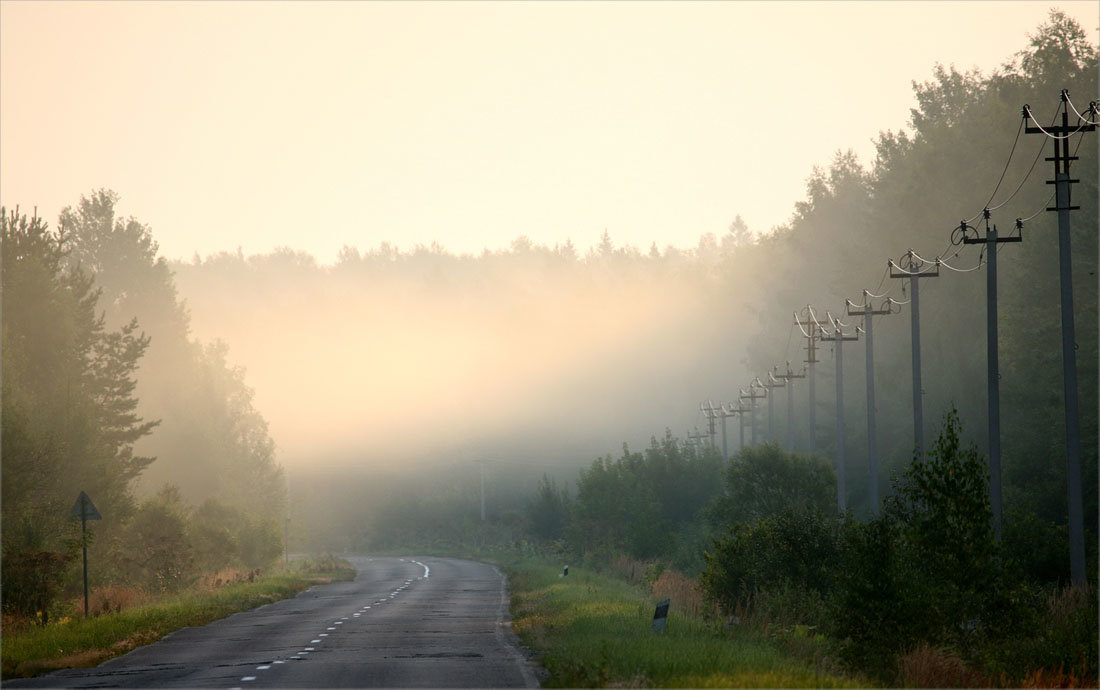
913 268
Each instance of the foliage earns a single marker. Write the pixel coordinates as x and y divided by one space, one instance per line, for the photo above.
596 631
159 555
84 642
68 408
796 547
548 511
637 503
33 579
763 481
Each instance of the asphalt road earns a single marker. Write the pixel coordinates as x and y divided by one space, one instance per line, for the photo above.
403 622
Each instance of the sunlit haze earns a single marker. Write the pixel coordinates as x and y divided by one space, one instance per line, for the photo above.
317 126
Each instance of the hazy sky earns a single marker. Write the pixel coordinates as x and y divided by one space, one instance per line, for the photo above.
315 125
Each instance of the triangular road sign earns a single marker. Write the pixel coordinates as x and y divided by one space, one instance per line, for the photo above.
84 508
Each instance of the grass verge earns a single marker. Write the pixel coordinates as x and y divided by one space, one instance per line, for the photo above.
84 642
595 630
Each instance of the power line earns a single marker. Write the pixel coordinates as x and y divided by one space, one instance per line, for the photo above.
1007 163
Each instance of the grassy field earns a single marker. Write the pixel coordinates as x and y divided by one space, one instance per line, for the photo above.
82 642
594 630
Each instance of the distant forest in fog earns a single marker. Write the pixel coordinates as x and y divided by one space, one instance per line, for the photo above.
390 366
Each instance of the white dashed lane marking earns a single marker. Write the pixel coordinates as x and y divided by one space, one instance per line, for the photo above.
305 652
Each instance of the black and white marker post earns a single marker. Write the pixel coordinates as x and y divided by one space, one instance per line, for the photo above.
85 510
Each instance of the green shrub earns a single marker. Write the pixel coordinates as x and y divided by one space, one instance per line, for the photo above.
797 548
765 480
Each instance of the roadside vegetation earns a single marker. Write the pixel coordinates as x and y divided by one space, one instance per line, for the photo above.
595 630
124 618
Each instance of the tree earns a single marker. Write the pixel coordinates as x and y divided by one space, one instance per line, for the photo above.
763 481
68 407
548 512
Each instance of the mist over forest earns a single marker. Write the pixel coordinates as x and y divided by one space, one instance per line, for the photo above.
539 359
382 385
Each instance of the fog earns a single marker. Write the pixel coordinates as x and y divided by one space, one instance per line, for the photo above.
530 355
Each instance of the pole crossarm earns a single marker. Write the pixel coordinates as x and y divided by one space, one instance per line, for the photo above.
752 395
773 382
791 375
910 265
867 309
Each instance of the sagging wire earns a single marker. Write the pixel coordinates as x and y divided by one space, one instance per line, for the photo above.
1052 194
1092 110
1038 154
1007 163
1027 109
799 324
941 262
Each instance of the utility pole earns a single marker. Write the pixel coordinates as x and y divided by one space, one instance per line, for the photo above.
1062 207
708 412
811 359
868 312
752 397
740 411
993 375
721 413
838 337
914 269
483 491
771 385
788 378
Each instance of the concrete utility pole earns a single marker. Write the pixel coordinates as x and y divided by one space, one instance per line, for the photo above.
752 397
914 269
483 491
740 411
811 359
993 375
771 385
1062 206
789 379
838 337
721 413
868 312
711 423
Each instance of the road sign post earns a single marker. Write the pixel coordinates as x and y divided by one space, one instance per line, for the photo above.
84 510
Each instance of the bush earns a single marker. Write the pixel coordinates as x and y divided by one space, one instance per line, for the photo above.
765 480
33 579
159 554
797 548
929 570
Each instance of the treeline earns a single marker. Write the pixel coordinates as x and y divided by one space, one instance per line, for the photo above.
102 386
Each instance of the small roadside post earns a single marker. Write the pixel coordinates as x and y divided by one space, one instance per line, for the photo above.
84 510
660 616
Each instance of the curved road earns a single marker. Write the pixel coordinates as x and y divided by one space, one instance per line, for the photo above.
403 622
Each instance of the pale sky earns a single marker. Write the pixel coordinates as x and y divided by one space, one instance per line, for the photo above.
317 125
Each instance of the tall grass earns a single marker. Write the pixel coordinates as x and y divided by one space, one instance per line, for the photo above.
596 631
126 620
